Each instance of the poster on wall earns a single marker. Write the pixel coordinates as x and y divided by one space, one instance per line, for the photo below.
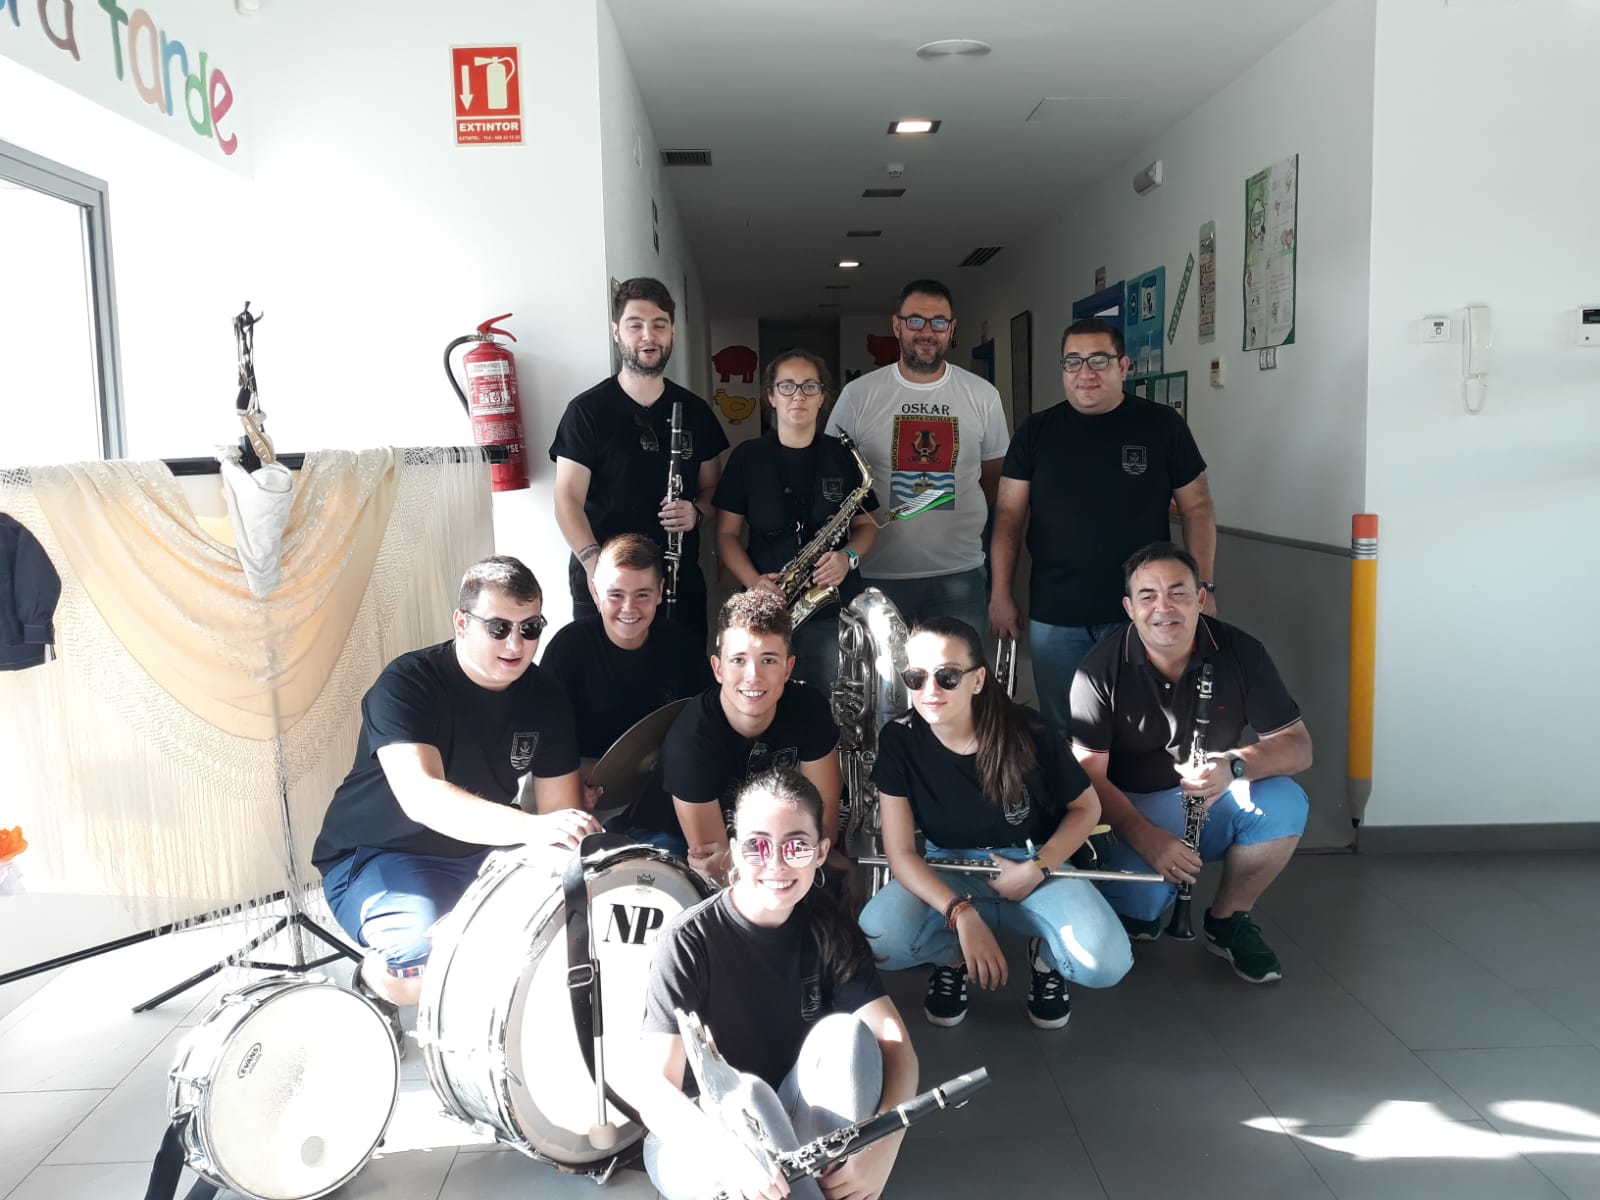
488 96
734 368
1207 297
1145 307
1271 209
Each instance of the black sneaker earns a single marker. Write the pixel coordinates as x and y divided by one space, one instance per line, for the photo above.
391 1012
1141 931
1238 939
1048 1004
946 1002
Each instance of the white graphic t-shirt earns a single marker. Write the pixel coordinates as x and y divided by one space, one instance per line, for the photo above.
920 438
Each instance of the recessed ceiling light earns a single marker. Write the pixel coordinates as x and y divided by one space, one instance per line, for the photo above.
914 125
848 264
954 48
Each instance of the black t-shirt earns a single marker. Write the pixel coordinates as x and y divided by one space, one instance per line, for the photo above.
612 689
604 430
487 740
705 761
785 494
947 802
1100 487
746 984
1123 706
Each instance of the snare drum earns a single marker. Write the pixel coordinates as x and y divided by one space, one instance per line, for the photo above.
495 1018
286 1089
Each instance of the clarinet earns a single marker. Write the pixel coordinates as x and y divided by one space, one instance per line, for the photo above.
674 553
1194 808
816 1156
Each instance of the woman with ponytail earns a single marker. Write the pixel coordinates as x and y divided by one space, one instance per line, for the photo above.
980 776
784 980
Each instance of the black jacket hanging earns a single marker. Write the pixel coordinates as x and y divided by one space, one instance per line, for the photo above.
29 590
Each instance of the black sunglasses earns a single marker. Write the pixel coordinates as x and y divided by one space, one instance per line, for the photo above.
499 629
948 678
648 441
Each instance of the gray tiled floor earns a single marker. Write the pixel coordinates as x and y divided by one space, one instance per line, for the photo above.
1437 1034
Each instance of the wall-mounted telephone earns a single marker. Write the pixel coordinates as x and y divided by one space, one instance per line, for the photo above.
1477 346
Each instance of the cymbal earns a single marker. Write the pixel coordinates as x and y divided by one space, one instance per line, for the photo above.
625 770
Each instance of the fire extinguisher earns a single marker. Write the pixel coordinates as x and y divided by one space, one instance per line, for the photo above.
491 401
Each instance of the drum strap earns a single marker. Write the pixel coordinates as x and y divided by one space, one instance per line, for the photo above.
583 969
168 1168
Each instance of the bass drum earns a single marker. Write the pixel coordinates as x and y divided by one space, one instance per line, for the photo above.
495 1017
284 1092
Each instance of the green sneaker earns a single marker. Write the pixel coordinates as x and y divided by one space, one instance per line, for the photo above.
1141 931
1238 939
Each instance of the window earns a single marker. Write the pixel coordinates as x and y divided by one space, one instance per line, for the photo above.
60 392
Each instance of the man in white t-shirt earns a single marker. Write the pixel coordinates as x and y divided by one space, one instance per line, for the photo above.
923 425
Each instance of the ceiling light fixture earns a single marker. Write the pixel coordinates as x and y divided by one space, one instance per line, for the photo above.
848 264
914 125
953 48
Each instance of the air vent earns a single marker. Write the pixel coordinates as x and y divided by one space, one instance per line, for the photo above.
829 304
686 158
836 287
864 233
980 256
883 193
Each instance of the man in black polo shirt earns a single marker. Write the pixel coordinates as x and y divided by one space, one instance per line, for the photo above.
1092 479
751 722
612 450
1133 707
449 737
619 666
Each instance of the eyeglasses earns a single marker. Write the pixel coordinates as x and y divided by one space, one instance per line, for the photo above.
648 442
759 851
499 629
788 387
948 678
1073 363
940 324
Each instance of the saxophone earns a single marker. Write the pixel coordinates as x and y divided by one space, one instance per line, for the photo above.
802 596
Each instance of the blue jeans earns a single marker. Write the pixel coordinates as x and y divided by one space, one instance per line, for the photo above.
1083 939
387 900
964 595
1057 650
1248 813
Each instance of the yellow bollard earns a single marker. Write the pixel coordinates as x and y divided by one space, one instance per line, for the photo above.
1363 648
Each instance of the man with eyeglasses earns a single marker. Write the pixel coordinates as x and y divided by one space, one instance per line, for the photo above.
925 425
753 721
452 737
613 447
1092 480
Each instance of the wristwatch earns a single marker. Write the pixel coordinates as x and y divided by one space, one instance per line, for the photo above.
1237 765
855 559
1211 588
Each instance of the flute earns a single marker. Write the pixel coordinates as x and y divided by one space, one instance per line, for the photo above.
983 866
1194 808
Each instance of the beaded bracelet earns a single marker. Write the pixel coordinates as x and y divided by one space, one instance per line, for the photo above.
954 909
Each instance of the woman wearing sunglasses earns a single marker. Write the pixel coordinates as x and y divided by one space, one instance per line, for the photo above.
981 777
782 489
785 982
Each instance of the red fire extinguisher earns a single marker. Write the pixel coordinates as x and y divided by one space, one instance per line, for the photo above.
491 401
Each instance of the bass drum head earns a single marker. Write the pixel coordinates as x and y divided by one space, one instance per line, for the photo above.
631 900
300 1094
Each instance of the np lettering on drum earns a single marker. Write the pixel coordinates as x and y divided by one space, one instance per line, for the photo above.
634 923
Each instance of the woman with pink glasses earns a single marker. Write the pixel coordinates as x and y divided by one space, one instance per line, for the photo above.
982 778
785 982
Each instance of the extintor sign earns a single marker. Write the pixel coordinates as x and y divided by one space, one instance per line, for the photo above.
488 95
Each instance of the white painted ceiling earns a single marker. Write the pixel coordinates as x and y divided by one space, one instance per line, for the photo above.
793 100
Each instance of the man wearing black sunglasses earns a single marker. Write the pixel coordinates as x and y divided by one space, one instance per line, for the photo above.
614 445
1092 480
452 737
926 426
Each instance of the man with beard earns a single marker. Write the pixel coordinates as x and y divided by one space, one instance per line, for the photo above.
927 427
613 447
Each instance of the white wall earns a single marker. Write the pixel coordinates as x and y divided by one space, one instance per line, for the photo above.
631 179
383 239
1484 184
183 241
1285 448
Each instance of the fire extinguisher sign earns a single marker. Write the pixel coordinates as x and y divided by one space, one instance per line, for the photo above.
488 94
